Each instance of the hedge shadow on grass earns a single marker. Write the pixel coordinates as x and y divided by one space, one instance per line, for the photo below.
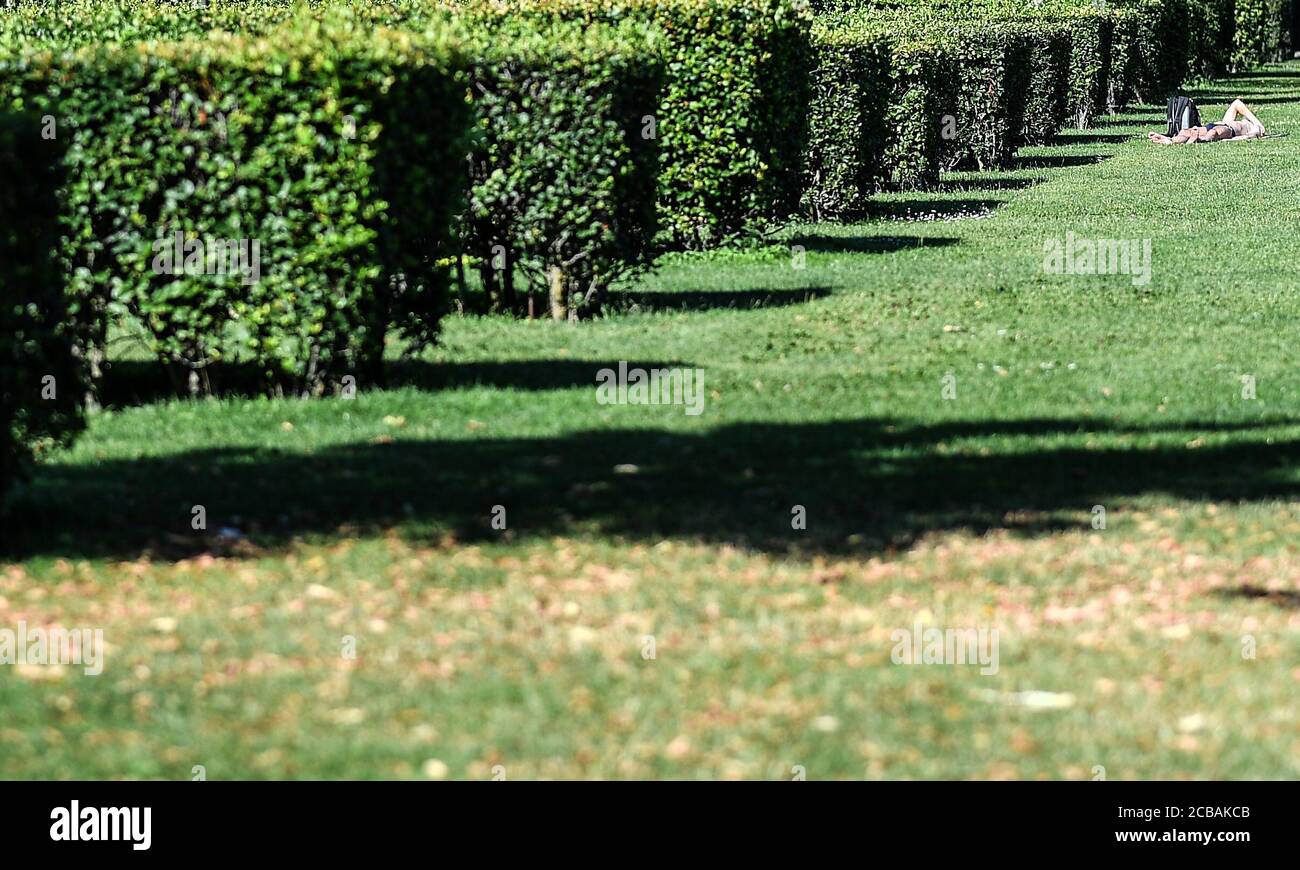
827 244
868 485
627 301
528 374
1266 74
1134 118
1058 161
127 383
976 185
1264 101
132 383
1093 138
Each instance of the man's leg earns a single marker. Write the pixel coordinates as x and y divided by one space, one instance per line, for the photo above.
1237 107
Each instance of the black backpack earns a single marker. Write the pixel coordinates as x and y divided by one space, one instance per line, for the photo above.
1180 114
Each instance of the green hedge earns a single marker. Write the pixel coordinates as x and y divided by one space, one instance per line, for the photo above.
1262 31
336 149
40 391
1084 34
70 24
847 128
1123 50
921 113
963 91
731 124
1292 43
992 62
563 171
561 177
1047 100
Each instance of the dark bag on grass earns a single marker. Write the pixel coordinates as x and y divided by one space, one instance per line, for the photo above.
1180 114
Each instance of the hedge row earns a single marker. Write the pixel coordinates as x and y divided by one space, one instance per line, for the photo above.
848 116
557 183
964 83
278 200
957 91
40 396
1263 31
562 170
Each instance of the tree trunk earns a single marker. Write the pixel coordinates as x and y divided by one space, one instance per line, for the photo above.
559 288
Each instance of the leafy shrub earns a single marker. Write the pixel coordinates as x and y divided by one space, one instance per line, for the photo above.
731 121
40 395
71 24
1215 35
1161 44
923 100
562 173
1091 35
1292 31
1121 50
335 149
847 127
992 64
561 178
1261 26
1049 79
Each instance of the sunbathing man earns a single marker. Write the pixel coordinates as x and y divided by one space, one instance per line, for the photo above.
1228 128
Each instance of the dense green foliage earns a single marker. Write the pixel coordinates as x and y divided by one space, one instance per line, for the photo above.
921 113
731 123
40 394
971 81
847 110
1262 31
563 172
326 157
337 158
1048 97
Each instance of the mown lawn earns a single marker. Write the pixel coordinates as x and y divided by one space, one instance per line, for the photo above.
519 653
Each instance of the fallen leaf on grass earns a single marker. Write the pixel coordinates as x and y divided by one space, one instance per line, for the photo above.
1033 699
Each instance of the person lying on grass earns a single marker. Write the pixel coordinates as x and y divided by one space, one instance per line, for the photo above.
1228 128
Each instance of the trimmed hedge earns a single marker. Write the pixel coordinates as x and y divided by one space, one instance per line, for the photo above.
40 392
962 91
1047 99
847 128
879 108
71 24
921 113
560 177
1122 50
562 173
731 124
1091 58
335 148
992 63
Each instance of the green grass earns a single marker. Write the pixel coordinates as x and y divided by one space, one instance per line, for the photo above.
523 648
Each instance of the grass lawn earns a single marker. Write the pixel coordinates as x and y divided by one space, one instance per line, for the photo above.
1165 645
